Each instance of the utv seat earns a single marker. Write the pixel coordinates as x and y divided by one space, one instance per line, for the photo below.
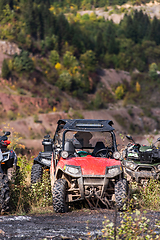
69 147
98 146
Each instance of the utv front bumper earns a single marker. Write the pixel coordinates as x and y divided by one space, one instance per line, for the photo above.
142 171
89 186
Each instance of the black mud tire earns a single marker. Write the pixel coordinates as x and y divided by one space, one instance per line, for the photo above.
4 193
121 193
59 196
36 173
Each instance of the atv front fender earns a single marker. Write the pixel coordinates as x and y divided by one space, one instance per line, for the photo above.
44 159
142 175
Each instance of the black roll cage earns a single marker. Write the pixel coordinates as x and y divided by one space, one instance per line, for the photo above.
85 125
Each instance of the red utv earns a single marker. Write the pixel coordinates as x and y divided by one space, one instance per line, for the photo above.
85 165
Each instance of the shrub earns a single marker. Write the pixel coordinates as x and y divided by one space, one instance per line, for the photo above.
133 225
65 80
150 195
5 69
54 57
11 115
20 200
41 192
77 115
23 62
119 92
153 71
69 60
25 198
88 60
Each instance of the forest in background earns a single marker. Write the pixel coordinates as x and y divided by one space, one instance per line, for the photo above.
65 49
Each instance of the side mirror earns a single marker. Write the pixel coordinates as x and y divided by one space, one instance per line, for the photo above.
47 136
158 139
130 138
7 133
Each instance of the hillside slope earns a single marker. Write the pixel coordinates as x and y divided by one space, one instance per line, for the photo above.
31 103
127 119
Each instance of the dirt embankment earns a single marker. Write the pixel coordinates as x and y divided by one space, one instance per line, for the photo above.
152 9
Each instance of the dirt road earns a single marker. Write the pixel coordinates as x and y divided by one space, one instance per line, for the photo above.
79 224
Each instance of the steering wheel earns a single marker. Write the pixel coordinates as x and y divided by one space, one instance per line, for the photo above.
108 152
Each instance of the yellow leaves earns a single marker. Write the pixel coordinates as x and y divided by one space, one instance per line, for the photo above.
54 109
54 10
22 146
58 66
93 16
10 64
17 7
51 9
13 87
75 69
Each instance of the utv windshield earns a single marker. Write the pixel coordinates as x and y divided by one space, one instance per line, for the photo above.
88 140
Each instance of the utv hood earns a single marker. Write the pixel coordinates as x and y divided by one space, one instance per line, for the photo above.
90 165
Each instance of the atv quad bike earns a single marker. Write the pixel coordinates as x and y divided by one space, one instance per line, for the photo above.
85 165
141 162
8 165
42 161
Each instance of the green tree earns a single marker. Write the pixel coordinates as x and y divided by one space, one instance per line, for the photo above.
65 80
100 48
5 69
23 62
154 34
69 60
110 41
54 57
62 29
88 61
153 71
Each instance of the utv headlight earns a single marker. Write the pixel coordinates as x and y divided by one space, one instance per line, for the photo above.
116 155
130 165
72 170
113 171
64 154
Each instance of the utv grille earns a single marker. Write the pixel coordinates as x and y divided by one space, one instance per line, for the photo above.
93 181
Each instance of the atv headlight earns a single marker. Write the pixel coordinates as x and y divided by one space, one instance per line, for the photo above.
72 170
124 154
64 154
130 165
116 155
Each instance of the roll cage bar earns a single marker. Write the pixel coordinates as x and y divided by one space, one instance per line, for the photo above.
85 125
